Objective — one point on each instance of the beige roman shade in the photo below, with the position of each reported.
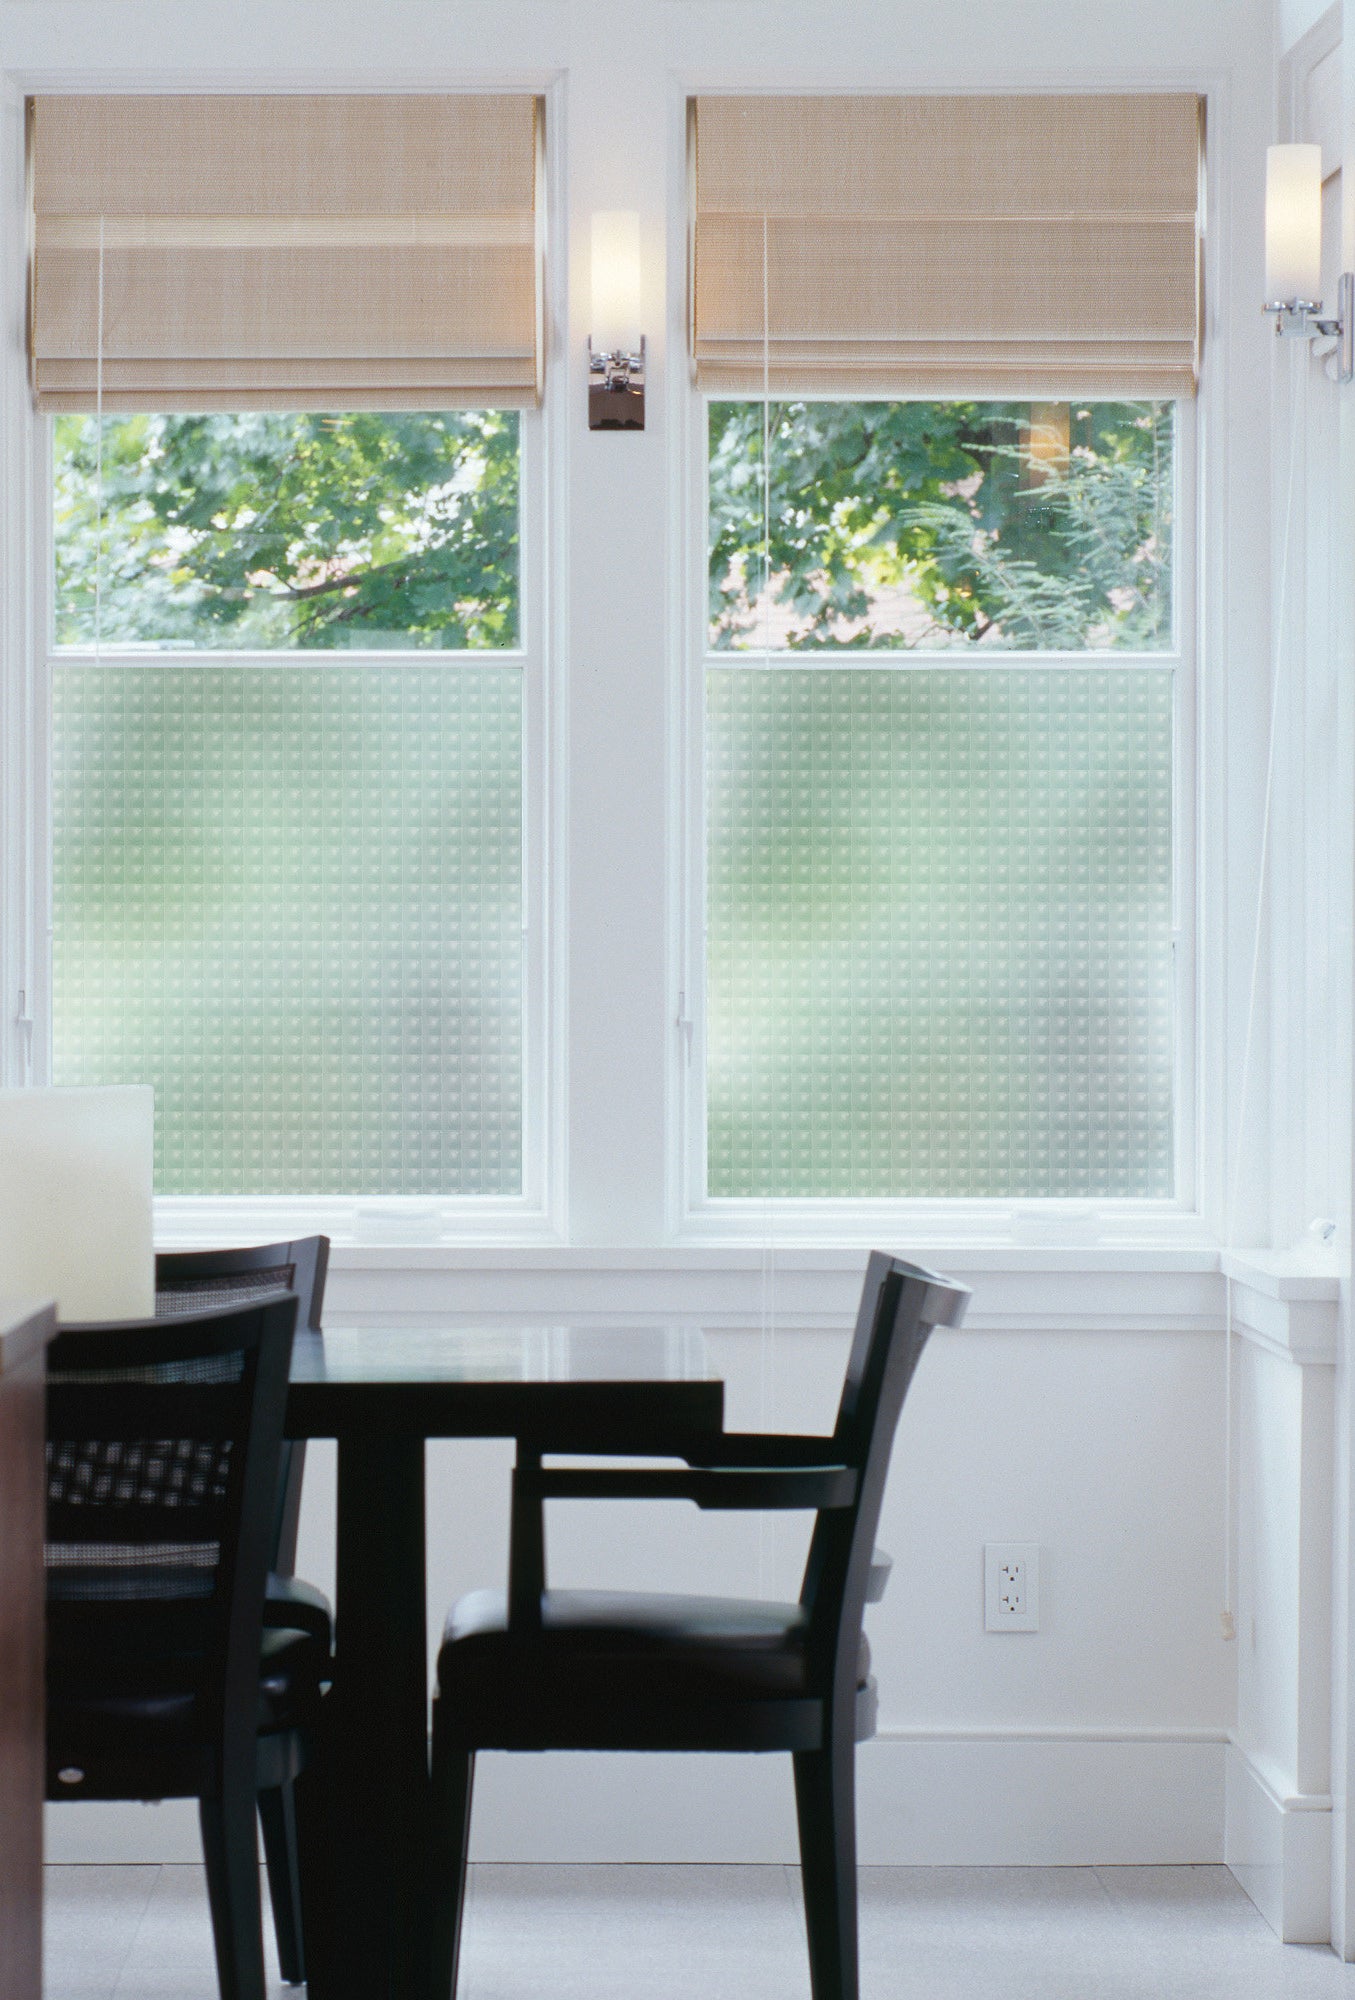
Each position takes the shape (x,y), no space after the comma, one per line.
(988,246)
(285,252)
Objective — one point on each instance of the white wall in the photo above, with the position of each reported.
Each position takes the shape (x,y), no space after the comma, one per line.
(1297,17)
(1083,1409)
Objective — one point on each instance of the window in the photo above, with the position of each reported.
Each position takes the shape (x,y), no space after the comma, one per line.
(293,682)
(948,347)
(291,350)
(941,669)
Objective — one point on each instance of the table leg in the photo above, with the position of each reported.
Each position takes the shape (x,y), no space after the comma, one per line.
(367,1800)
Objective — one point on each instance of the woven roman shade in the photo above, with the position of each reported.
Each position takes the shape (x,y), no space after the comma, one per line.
(285,252)
(943,246)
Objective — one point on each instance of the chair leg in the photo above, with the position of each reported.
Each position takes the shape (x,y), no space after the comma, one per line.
(324,1882)
(825,1803)
(277,1816)
(230,1849)
(449,1841)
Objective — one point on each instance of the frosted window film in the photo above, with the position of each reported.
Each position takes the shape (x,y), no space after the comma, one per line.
(291,900)
(939,932)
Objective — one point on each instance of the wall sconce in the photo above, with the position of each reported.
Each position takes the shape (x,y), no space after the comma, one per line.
(616,347)
(1294,255)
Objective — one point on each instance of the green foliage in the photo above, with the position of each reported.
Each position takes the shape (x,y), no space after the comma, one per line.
(280,530)
(936,524)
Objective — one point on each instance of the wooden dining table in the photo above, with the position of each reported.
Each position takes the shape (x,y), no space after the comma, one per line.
(382,1392)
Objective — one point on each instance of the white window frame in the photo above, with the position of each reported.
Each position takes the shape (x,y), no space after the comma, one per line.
(700,1217)
(357,1218)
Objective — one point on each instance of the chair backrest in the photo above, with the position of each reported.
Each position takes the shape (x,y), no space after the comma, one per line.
(162,1453)
(196,1280)
(900,1305)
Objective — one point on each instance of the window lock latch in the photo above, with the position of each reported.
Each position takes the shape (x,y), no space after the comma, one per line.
(685,1026)
(23,1021)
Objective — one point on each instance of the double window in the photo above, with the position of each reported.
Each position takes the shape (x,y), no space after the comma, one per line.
(941,677)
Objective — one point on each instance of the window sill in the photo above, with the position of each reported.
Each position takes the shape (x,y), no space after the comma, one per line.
(732,1288)
(1286,1302)
(190,1222)
(1148,1273)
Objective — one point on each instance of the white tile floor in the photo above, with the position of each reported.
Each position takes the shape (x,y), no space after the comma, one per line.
(595,1933)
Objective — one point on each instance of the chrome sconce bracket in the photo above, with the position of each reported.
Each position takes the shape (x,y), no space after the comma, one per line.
(1302,319)
(616,390)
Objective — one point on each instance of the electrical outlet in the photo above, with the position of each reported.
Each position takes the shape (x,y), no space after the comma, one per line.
(1011,1587)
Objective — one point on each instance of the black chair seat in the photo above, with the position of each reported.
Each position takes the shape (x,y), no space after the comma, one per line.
(702,1648)
(96,1696)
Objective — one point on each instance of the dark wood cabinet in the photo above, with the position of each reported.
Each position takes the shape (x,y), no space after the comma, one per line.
(24,1333)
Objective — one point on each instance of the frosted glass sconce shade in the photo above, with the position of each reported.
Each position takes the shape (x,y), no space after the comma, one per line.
(1294,257)
(75,1200)
(616,281)
(1293,225)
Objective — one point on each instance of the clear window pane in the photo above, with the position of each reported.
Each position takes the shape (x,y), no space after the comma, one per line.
(1011,526)
(273,530)
(291,899)
(939,932)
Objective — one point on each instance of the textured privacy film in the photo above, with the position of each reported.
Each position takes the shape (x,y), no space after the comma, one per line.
(939,932)
(291,900)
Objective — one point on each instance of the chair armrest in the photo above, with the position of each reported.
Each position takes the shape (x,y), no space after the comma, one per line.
(744,1450)
(725,1486)
(766,1448)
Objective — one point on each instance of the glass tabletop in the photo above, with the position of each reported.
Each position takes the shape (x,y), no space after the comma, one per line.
(525,1352)
(517,1378)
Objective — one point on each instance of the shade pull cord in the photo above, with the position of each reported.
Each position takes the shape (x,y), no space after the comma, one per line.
(99,453)
(766,1550)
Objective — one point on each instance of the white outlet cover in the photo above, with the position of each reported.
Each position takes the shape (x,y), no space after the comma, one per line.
(1011,1586)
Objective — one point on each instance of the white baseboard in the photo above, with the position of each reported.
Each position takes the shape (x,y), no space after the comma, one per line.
(1278,1846)
(998,1799)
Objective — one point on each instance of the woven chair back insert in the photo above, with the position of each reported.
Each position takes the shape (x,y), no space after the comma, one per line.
(140,1519)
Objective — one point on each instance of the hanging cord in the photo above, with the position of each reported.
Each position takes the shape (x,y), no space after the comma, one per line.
(1298,414)
(766,1549)
(99,454)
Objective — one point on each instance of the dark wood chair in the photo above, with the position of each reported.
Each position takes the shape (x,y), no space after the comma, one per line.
(163,1439)
(196,1281)
(537,1669)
